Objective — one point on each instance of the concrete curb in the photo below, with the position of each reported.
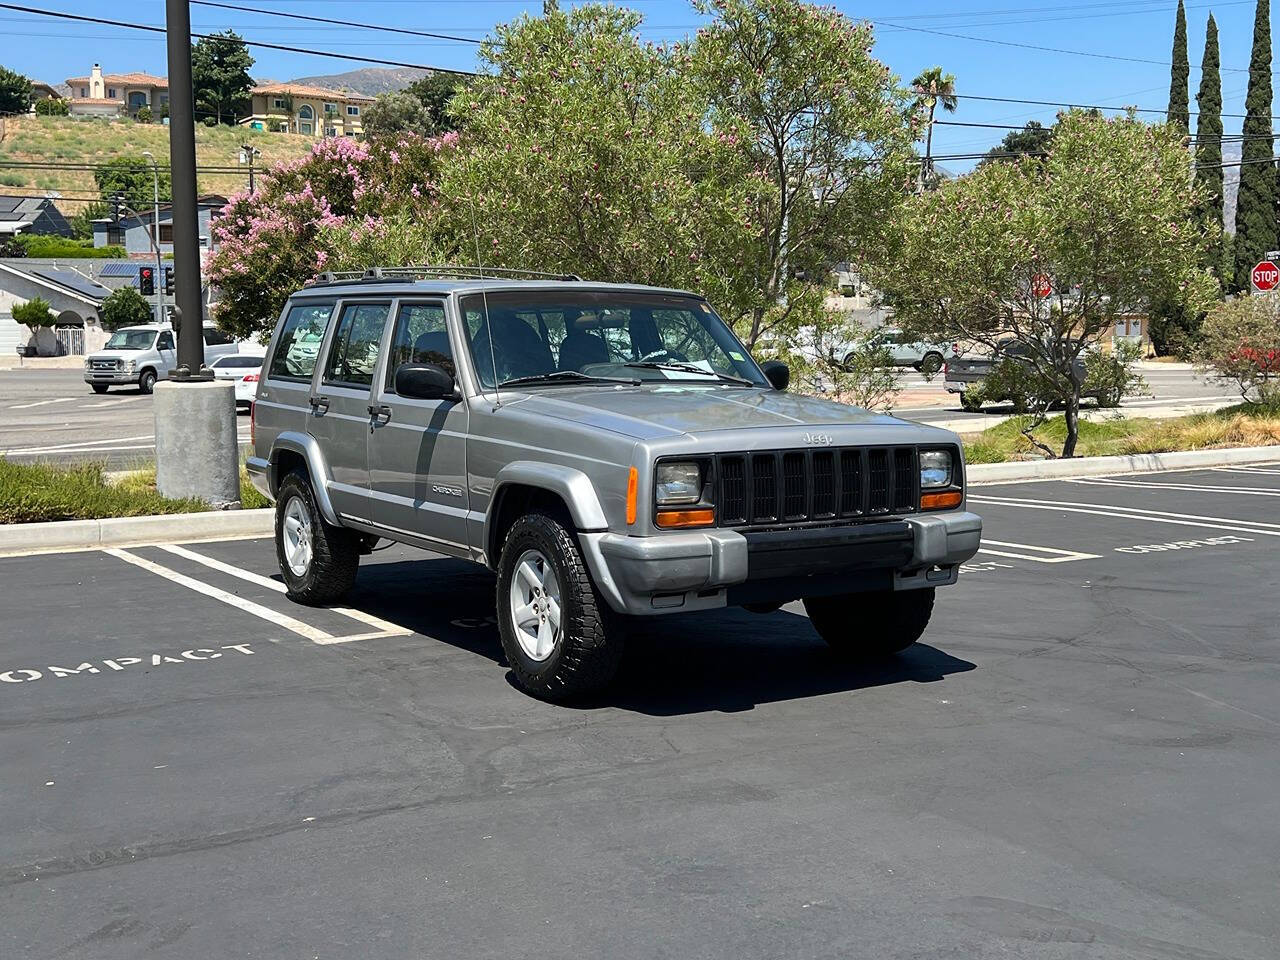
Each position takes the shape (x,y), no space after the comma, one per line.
(21,538)
(981,473)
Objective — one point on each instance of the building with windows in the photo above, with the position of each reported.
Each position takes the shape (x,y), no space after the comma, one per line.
(113,94)
(133,230)
(310,111)
(32,215)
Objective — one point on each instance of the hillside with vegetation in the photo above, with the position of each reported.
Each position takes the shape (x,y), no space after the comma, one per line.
(52,142)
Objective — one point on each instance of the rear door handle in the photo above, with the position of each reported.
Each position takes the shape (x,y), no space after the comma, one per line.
(379,413)
(319,404)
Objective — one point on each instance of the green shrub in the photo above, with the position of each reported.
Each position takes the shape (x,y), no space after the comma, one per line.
(53,107)
(48,246)
(125,307)
(143,115)
(12,180)
(34,313)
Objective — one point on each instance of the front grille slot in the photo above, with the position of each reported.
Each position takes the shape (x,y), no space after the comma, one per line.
(787,487)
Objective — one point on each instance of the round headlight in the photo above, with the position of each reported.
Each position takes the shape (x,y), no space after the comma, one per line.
(679,482)
(935,469)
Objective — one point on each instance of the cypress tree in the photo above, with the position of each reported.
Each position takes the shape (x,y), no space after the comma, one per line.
(1209,127)
(1256,204)
(1179,91)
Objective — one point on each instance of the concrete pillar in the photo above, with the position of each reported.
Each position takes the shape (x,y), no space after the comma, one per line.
(197,454)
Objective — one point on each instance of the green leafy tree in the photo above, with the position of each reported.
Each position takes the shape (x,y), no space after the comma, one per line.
(1034,139)
(1209,127)
(391,114)
(970,250)
(1256,201)
(220,66)
(933,88)
(1241,342)
(52,107)
(1179,92)
(435,91)
(125,307)
(132,177)
(15,92)
(35,313)
(825,133)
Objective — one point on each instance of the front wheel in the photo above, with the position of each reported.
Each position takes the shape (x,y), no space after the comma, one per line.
(559,636)
(871,625)
(147,382)
(931,364)
(318,562)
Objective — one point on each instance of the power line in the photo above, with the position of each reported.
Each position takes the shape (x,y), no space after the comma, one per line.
(333,22)
(353,57)
(1087,106)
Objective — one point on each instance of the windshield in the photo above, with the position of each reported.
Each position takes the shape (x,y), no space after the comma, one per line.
(624,336)
(131,340)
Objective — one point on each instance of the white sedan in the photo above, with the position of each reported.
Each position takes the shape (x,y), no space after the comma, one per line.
(244,369)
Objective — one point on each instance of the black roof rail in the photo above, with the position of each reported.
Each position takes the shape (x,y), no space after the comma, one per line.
(436,272)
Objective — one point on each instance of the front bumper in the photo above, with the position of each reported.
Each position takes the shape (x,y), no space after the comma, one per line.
(110,376)
(715,568)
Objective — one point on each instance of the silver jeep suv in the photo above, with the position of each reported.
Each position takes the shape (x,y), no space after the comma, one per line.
(609,451)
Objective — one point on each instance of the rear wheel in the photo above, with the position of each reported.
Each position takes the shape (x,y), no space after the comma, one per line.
(871,625)
(931,363)
(98,387)
(559,636)
(147,382)
(318,562)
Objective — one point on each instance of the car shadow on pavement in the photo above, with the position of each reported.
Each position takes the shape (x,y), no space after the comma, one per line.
(727,660)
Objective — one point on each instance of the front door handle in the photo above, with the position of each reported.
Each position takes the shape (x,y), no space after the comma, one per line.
(379,414)
(319,404)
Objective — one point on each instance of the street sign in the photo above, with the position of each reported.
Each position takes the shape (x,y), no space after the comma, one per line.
(1265,276)
(1273,255)
(1041,286)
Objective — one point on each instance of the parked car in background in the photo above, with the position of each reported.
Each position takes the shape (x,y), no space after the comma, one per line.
(145,353)
(963,375)
(244,369)
(926,357)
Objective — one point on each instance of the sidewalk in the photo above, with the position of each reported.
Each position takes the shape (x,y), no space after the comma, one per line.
(69,362)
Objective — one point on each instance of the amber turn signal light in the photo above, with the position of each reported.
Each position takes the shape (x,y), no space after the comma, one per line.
(940,501)
(686,518)
(633,483)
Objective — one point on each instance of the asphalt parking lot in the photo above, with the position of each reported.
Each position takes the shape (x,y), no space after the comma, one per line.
(1080,760)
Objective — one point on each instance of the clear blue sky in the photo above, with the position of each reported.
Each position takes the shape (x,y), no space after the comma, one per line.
(1141,30)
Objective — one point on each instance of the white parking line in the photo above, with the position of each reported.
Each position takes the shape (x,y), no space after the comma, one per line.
(108,403)
(1055,555)
(1265,471)
(384,627)
(1195,487)
(44,403)
(314,634)
(1133,513)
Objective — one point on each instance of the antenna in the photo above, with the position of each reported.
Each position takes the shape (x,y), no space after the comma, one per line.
(484,299)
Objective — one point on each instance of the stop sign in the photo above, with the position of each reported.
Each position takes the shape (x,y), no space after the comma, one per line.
(1041,286)
(1265,276)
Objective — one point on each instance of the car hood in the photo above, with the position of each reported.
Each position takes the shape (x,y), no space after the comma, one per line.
(654,412)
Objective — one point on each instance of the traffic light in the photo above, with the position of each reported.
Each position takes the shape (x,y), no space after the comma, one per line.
(168,280)
(147,281)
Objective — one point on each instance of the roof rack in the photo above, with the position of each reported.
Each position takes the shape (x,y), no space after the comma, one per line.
(435,272)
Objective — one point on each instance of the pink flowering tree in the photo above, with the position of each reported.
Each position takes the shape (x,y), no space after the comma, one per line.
(1049,253)
(347,205)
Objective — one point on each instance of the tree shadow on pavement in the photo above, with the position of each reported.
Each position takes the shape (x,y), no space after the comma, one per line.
(726,660)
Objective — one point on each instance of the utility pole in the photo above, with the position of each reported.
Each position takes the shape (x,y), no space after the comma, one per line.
(155,234)
(195,415)
(247,154)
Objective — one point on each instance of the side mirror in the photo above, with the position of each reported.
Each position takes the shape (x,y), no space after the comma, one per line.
(424,381)
(777,373)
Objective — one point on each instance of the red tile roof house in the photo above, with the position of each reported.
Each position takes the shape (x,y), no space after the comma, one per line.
(114,94)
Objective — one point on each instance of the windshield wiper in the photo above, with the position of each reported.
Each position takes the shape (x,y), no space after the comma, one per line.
(567,376)
(689,368)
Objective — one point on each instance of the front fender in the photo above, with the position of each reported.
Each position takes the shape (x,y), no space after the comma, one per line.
(572,486)
(306,446)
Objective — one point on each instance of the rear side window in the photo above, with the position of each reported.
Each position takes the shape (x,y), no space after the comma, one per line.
(421,337)
(353,355)
(299,345)
(216,338)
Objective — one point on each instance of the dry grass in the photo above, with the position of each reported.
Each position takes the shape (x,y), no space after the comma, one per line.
(52,140)
(1246,425)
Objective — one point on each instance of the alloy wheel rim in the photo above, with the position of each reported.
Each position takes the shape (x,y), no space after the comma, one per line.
(296,533)
(535,605)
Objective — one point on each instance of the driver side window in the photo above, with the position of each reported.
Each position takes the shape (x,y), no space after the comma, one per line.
(164,341)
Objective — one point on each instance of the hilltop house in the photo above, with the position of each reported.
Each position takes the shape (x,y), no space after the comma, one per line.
(112,94)
(32,215)
(310,111)
(133,232)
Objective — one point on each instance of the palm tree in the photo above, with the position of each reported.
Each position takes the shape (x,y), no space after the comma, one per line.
(932,87)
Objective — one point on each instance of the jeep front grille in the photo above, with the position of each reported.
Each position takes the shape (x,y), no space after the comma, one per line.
(785,487)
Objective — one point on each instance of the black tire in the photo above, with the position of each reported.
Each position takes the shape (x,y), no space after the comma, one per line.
(867,626)
(931,363)
(98,387)
(586,654)
(147,382)
(970,402)
(335,552)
